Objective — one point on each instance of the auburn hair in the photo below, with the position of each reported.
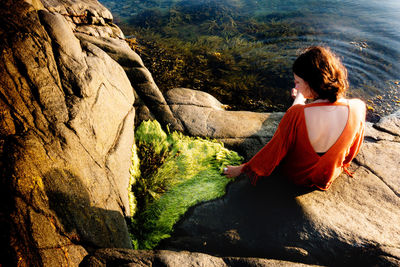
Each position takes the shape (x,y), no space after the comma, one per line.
(323,71)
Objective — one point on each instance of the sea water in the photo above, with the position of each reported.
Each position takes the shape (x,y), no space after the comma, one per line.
(364,33)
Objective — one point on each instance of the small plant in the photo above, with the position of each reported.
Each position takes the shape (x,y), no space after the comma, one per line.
(176,172)
(133,44)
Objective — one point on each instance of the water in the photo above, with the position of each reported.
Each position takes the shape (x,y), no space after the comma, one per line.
(364,33)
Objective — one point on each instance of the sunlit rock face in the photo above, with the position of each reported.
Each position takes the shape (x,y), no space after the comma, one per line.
(203,115)
(66,130)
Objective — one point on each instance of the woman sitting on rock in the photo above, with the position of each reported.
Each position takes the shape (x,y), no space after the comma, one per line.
(314,142)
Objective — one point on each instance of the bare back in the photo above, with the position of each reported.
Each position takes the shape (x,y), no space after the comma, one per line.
(325,124)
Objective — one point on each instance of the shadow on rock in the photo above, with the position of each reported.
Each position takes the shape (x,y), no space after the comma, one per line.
(84,224)
(354,223)
(262,221)
(269,221)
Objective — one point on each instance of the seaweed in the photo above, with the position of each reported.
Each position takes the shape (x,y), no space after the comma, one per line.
(216,47)
(176,173)
(241,51)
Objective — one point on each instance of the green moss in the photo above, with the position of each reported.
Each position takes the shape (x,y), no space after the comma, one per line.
(177,172)
(134,175)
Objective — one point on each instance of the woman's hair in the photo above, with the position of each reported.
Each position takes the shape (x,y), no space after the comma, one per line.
(323,71)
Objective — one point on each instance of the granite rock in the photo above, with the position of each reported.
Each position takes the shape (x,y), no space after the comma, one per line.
(355,222)
(203,115)
(66,134)
(124,257)
(70,86)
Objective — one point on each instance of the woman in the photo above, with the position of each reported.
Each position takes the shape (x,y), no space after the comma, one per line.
(314,142)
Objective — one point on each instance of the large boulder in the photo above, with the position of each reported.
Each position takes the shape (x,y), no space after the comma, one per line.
(66,134)
(143,258)
(150,102)
(203,115)
(355,222)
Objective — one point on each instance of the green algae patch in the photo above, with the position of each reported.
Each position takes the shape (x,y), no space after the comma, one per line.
(176,172)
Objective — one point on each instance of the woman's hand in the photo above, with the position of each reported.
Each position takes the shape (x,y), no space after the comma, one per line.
(294,93)
(298,97)
(233,171)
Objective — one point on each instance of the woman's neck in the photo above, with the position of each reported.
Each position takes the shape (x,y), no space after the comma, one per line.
(326,100)
(320,101)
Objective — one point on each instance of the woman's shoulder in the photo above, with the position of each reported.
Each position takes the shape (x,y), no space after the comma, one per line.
(358,108)
(296,108)
(294,113)
(357,104)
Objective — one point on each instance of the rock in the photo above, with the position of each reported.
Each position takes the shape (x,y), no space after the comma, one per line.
(380,155)
(118,257)
(353,223)
(390,124)
(80,12)
(88,17)
(202,115)
(374,135)
(184,96)
(66,134)
(150,99)
(112,31)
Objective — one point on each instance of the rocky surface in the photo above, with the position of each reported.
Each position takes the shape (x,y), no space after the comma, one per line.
(150,102)
(124,257)
(69,88)
(70,85)
(66,134)
(354,222)
(203,115)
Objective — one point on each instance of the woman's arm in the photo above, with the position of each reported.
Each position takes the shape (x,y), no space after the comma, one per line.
(264,162)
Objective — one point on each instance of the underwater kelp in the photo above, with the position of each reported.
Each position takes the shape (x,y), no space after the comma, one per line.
(176,172)
(235,71)
(217,46)
(211,46)
(241,51)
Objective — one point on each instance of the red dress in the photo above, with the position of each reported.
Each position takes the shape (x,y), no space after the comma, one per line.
(291,149)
